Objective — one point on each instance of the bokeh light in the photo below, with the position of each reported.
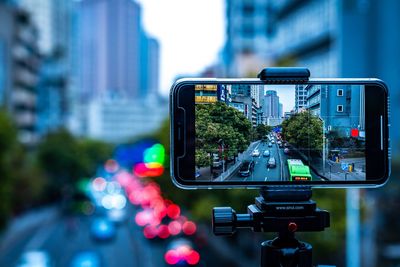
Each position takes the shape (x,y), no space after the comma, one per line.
(189,228)
(111,166)
(99,184)
(173,211)
(174,228)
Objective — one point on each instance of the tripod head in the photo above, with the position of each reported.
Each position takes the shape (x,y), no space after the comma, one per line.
(277,210)
(280,210)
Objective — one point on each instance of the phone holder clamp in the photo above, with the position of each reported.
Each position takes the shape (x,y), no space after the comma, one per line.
(287,75)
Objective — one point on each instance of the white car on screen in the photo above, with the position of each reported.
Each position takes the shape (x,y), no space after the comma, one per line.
(256,153)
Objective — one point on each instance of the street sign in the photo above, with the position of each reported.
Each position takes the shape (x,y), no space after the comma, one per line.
(345,166)
(277,129)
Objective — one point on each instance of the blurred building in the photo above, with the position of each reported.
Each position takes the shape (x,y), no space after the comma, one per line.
(113,59)
(245,52)
(52,18)
(52,95)
(150,69)
(108,48)
(19,65)
(121,120)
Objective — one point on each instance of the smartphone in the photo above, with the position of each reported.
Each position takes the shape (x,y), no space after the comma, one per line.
(229,133)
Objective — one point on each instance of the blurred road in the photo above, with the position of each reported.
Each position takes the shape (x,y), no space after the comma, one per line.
(62,237)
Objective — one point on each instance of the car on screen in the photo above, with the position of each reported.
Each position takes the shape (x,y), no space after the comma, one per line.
(255,153)
(271,162)
(266,153)
(246,168)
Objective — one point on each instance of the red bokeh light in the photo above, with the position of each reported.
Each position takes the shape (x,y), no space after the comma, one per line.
(124,178)
(147,170)
(189,228)
(150,232)
(172,257)
(163,231)
(193,257)
(144,217)
(174,228)
(173,211)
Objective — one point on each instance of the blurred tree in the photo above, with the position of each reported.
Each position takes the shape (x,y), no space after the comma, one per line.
(8,142)
(94,153)
(65,159)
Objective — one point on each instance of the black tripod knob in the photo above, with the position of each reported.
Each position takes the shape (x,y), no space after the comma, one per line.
(224,220)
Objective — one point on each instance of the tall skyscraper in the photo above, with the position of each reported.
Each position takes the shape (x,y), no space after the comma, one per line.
(115,67)
(108,49)
(271,104)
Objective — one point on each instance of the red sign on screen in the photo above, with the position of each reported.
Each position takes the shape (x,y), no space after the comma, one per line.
(354,132)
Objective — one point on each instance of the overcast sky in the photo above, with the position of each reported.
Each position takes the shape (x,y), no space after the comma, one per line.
(191,34)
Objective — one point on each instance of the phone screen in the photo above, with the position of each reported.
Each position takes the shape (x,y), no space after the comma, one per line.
(246,133)
(280,132)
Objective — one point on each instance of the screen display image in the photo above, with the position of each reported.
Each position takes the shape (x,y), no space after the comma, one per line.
(253,132)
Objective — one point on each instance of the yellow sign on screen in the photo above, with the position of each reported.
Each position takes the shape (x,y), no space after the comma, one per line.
(206,87)
(205,99)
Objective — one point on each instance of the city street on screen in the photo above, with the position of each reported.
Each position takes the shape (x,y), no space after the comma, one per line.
(307,132)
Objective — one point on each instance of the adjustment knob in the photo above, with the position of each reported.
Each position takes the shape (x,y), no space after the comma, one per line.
(224,221)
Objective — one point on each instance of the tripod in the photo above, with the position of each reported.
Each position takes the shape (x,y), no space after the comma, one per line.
(284,211)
